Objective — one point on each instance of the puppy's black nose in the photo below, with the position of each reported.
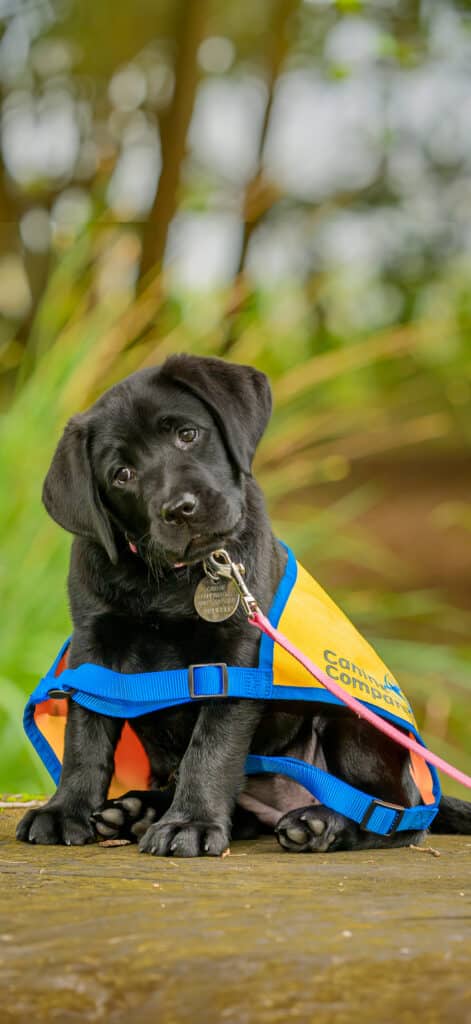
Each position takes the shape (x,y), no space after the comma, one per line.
(178,510)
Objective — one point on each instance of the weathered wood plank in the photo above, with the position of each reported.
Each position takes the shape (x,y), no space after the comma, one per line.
(100,934)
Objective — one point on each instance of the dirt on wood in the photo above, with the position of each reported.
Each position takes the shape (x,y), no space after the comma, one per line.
(257,937)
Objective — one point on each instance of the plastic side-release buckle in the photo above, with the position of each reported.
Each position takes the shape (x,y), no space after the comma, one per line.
(400,811)
(211,696)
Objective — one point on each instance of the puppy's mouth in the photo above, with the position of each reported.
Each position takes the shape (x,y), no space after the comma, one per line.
(200,546)
(197,550)
(189,558)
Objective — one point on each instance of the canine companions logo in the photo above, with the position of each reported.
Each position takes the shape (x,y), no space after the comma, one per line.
(344,671)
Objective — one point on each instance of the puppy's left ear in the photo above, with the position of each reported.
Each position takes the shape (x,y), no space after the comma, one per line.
(239,398)
(70,491)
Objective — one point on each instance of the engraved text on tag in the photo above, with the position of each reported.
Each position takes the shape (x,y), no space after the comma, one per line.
(216,600)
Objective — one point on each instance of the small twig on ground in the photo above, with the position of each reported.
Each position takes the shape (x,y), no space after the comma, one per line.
(425,849)
(115,842)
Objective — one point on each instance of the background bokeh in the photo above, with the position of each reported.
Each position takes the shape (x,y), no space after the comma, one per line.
(282,183)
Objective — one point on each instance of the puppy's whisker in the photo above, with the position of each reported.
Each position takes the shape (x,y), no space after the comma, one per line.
(154,561)
(150,556)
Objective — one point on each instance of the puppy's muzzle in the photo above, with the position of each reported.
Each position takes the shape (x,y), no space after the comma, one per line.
(187,516)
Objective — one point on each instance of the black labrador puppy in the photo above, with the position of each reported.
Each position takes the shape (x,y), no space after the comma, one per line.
(151,479)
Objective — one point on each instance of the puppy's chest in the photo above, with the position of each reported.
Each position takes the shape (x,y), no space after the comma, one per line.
(158,643)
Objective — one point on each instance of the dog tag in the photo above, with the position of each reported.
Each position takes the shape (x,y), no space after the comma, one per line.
(216,600)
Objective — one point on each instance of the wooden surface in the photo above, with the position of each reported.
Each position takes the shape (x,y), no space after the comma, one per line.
(262,937)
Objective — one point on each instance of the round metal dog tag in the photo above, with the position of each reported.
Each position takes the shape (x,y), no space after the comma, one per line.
(216,600)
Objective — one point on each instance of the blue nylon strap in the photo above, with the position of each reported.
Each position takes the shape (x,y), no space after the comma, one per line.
(127,695)
(339,796)
(45,751)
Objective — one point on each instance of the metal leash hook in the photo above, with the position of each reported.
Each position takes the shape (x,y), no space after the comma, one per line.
(219,563)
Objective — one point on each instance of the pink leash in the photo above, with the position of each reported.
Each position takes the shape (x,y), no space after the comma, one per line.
(257,618)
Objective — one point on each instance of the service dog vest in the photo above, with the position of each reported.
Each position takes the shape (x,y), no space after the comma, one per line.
(314,623)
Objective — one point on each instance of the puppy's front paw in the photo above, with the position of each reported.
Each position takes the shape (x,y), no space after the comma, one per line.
(53,824)
(313,829)
(185,839)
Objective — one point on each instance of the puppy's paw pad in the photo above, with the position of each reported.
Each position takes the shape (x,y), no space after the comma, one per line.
(314,823)
(313,829)
(127,817)
(108,823)
(296,834)
(131,804)
(113,816)
(142,824)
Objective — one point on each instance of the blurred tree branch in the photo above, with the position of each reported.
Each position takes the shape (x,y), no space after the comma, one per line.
(261,194)
(192,16)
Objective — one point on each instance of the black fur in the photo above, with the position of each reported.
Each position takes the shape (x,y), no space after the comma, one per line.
(134,612)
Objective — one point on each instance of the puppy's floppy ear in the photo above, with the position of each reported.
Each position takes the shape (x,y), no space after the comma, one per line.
(70,492)
(239,398)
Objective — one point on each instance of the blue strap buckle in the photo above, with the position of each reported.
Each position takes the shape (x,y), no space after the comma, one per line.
(203,695)
(400,811)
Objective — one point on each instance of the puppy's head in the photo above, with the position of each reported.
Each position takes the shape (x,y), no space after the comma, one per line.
(160,459)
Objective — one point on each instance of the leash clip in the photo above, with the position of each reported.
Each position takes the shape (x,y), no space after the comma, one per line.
(219,563)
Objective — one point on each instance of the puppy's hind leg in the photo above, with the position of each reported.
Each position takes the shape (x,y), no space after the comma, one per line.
(365,759)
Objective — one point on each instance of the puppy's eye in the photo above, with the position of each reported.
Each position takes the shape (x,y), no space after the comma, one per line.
(124,475)
(187,435)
